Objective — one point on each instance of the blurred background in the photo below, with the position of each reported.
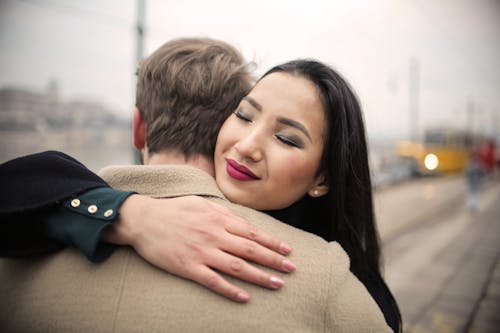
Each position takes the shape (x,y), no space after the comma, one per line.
(427,74)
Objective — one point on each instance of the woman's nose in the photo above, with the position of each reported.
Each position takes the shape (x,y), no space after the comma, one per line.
(250,145)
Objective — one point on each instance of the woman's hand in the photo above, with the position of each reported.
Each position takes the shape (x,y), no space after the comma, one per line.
(192,237)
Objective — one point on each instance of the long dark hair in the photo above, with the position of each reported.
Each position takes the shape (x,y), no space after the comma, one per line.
(345,214)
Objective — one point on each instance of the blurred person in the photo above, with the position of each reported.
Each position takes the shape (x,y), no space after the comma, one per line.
(474,174)
(335,300)
(486,154)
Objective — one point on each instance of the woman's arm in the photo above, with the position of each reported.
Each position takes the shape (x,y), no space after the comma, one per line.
(32,188)
(192,237)
(35,183)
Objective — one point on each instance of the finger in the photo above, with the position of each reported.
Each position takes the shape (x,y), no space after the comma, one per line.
(242,228)
(255,252)
(213,281)
(242,270)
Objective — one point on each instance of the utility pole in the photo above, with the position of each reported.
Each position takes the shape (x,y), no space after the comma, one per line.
(141,6)
(494,121)
(469,116)
(139,52)
(414,96)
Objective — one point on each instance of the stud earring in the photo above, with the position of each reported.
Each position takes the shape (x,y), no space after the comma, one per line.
(316,193)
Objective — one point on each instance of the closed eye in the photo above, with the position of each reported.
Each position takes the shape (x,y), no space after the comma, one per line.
(288,141)
(242,116)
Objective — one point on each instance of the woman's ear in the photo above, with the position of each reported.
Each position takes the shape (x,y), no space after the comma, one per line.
(319,188)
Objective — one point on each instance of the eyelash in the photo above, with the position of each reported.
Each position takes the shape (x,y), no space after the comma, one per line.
(242,117)
(288,142)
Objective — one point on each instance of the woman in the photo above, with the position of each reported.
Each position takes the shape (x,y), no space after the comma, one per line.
(295,147)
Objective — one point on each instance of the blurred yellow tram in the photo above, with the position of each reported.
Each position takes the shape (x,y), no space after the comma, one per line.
(443,151)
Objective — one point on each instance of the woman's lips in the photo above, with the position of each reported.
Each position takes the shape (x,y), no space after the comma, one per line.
(238,171)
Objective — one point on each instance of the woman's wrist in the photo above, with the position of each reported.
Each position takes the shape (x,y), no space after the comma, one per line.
(124,232)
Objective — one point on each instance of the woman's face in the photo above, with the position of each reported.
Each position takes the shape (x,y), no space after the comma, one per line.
(268,151)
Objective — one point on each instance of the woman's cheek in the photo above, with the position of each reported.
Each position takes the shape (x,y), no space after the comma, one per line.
(227,132)
(294,167)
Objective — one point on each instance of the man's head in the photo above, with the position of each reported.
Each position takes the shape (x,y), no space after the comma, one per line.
(185,91)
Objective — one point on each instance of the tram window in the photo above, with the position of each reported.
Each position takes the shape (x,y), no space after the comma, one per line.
(435,138)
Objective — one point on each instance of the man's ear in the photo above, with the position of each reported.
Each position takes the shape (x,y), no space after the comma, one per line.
(139,127)
(319,188)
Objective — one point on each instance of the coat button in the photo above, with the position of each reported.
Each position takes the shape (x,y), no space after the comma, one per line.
(75,203)
(108,213)
(92,209)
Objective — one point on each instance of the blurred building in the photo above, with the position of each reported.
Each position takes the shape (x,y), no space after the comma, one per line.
(32,121)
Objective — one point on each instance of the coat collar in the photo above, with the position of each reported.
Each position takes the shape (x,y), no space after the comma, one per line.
(161,181)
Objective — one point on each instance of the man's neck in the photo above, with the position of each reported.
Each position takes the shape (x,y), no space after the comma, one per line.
(172,157)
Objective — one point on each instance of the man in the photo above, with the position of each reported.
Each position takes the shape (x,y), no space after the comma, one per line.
(126,294)
(39,211)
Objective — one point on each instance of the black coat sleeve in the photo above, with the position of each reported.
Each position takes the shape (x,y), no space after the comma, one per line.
(31,187)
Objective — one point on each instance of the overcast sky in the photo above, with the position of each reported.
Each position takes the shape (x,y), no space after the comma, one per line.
(89,48)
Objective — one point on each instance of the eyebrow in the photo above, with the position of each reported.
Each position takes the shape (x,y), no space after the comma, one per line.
(254,103)
(296,124)
(281,120)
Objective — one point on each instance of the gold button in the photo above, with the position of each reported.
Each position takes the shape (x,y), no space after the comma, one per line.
(75,203)
(92,209)
(108,213)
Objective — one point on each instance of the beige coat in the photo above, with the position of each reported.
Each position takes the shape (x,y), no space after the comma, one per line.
(66,293)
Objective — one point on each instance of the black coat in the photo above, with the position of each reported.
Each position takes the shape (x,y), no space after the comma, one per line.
(31,187)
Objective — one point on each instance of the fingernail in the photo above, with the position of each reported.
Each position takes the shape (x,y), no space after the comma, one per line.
(242,296)
(276,282)
(288,265)
(285,248)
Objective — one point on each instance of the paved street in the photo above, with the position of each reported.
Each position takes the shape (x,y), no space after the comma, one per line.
(441,262)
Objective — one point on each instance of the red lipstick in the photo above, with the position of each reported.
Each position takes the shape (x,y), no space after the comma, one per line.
(238,171)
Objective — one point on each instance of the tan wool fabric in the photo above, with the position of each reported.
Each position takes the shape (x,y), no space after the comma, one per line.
(64,292)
